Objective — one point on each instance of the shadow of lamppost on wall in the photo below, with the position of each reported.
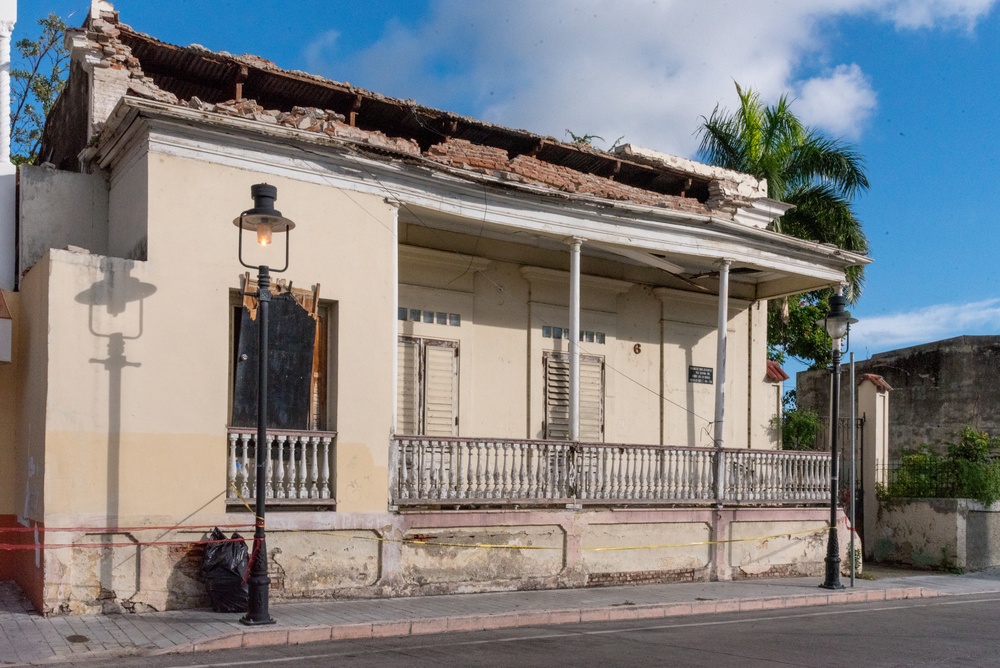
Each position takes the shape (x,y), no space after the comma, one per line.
(114,294)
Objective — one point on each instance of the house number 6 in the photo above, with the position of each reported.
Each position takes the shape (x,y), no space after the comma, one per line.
(637,348)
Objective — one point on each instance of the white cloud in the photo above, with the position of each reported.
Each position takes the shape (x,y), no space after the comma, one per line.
(913,14)
(321,50)
(840,103)
(925,325)
(645,70)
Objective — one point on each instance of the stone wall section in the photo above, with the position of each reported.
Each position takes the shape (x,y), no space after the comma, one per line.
(373,555)
(937,389)
(945,534)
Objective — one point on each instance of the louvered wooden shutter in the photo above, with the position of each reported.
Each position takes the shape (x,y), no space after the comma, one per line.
(591,399)
(557,397)
(440,388)
(427,387)
(408,387)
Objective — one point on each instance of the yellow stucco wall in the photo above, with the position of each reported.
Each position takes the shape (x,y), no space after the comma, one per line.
(32,335)
(652,337)
(765,398)
(8,413)
(610,548)
(690,339)
(139,350)
(138,398)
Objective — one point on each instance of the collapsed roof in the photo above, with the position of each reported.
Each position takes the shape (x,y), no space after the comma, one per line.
(685,216)
(130,63)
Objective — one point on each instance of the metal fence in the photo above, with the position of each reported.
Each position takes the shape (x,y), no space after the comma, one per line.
(941,478)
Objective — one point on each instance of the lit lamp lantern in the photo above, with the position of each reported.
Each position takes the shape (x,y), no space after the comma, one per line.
(263,218)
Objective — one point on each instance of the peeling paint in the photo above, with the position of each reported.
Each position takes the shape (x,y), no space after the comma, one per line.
(939,533)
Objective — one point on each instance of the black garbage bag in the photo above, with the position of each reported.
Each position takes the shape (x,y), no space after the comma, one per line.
(224,567)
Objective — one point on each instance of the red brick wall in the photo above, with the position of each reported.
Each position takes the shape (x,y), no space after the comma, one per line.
(463,154)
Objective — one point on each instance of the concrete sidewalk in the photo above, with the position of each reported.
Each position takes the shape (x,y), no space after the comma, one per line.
(27,638)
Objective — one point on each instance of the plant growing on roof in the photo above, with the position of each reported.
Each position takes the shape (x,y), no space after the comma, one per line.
(588,140)
(584,139)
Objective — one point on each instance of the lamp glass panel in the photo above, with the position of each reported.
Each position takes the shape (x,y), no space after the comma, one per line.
(837,327)
(264,233)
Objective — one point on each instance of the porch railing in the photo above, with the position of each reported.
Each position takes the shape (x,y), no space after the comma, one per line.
(299,467)
(485,472)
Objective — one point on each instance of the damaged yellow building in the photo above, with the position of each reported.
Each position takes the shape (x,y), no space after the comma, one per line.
(510,341)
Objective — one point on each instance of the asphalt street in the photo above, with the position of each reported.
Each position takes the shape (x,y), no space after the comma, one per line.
(951,631)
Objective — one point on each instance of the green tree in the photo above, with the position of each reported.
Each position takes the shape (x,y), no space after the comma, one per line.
(37,78)
(792,330)
(799,427)
(967,471)
(820,176)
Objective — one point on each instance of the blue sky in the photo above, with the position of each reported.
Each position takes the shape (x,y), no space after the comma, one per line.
(912,83)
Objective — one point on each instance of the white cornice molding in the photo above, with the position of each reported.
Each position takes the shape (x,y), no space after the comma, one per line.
(421,184)
(673,295)
(761,212)
(543,277)
(455,270)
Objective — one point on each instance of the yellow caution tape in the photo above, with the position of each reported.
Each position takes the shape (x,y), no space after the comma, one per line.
(496,546)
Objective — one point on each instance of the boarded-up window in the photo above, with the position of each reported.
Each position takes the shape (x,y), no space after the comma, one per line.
(427,387)
(298,333)
(557,397)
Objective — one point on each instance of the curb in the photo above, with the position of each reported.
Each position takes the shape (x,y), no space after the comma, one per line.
(482,622)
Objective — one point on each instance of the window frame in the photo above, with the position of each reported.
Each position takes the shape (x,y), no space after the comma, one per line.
(323,385)
(549,433)
(420,390)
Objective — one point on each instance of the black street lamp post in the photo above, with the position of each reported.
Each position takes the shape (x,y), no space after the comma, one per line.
(264,220)
(838,322)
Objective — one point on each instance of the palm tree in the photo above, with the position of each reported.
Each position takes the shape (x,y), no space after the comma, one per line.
(819,176)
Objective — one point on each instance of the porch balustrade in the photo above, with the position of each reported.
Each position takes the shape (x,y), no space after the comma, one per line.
(298,467)
(498,472)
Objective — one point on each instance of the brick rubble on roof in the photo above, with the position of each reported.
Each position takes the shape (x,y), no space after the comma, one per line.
(454,153)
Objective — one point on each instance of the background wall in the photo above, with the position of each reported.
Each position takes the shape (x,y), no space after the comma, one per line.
(937,389)
(939,533)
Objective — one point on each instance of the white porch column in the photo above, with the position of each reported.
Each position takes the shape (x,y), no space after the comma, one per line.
(720,357)
(574,338)
(391,555)
(8,223)
(394,344)
(720,395)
